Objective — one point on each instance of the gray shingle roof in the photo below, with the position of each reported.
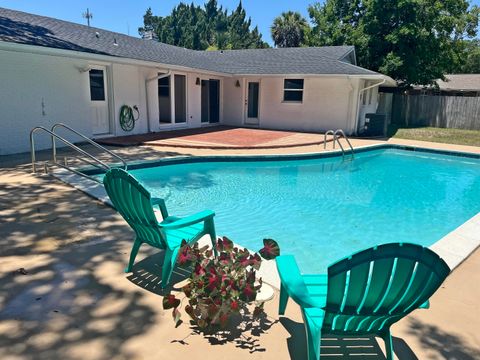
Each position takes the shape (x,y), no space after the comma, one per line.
(467,82)
(307,60)
(29,29)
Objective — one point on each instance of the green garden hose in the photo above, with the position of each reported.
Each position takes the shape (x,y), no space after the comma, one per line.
(127,120)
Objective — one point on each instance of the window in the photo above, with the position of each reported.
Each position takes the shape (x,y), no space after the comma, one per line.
(293,90)
(97,85)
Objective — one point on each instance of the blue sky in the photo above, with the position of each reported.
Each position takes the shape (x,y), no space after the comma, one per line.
(126,16)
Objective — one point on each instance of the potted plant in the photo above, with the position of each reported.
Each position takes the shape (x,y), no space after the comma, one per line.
(220,287)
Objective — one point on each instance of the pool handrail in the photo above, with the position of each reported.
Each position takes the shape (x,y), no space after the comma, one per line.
(95,161)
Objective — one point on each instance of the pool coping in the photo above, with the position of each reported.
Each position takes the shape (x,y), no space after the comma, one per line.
(183,159)
(454,247)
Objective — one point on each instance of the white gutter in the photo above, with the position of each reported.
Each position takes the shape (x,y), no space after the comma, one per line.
(358,101)
(308,75)
(146,93)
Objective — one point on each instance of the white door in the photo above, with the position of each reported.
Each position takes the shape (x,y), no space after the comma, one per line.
(252,102)
(99,109)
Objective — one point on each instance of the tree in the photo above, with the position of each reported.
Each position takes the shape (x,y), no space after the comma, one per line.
(289,29)
(413,41)
(199,28)
(470,59)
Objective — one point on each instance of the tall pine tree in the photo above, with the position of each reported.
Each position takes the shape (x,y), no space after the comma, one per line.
(199,28)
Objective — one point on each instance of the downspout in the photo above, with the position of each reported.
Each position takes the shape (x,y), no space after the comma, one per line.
(350,99)
(147,81)
(358,101)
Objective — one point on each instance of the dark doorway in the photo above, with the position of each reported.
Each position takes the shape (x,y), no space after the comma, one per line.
(210,101)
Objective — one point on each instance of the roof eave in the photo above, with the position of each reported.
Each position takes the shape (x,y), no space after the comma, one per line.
(43,50)
(457,89)
(363,76)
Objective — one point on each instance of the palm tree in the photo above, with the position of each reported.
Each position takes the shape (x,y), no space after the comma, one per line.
(288,29)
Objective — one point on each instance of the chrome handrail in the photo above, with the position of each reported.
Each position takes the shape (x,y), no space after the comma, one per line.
(339,144)
(337,134)
(325,138)
(96,162)
(336,137)
(90,141)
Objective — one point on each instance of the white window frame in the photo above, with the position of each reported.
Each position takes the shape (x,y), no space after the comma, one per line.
(172,123)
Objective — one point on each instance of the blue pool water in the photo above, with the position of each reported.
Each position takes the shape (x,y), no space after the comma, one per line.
(323,209)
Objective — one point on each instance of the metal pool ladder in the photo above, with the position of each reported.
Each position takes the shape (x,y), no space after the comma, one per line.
(90,159)
(337,134)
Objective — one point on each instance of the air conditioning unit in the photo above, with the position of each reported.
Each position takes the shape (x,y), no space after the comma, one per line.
(374,125)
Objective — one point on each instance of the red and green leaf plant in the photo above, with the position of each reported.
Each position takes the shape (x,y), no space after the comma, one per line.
(221,286)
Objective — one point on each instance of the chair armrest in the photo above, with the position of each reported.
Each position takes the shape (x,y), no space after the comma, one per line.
(161,205)
(425,305)
(189,220)
(294,284)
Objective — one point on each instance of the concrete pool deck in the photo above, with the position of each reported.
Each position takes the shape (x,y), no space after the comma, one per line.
(74,301)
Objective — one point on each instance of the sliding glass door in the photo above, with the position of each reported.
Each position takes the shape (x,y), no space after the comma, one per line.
(210,99)
(178,113)
(180,99)
(164,101)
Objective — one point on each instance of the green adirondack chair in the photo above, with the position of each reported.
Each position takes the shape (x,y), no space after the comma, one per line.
(136,205)
(363,294)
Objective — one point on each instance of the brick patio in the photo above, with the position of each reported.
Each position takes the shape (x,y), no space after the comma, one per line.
(220,137)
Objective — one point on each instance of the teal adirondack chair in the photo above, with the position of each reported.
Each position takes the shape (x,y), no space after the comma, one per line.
(136,205)
(363,294)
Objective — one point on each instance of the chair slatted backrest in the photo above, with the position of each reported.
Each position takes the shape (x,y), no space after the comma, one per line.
(371,289)
(133,202)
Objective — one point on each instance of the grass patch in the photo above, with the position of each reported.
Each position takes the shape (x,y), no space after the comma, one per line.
(440,135)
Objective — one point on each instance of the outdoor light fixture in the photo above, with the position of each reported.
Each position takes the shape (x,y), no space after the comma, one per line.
(84,69)
(237,83)
(197,82)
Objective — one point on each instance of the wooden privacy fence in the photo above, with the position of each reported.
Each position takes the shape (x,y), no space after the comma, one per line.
(438,111)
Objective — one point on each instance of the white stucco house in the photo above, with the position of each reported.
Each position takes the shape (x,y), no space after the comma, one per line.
(55,71)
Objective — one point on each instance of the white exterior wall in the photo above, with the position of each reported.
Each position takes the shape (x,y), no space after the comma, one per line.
(328,103)
(233,101)
(41,90)
(128,87)
(29,80)
(26,81)
(61,84)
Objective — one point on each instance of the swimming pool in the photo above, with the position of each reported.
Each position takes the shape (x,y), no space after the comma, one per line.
(321,209)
